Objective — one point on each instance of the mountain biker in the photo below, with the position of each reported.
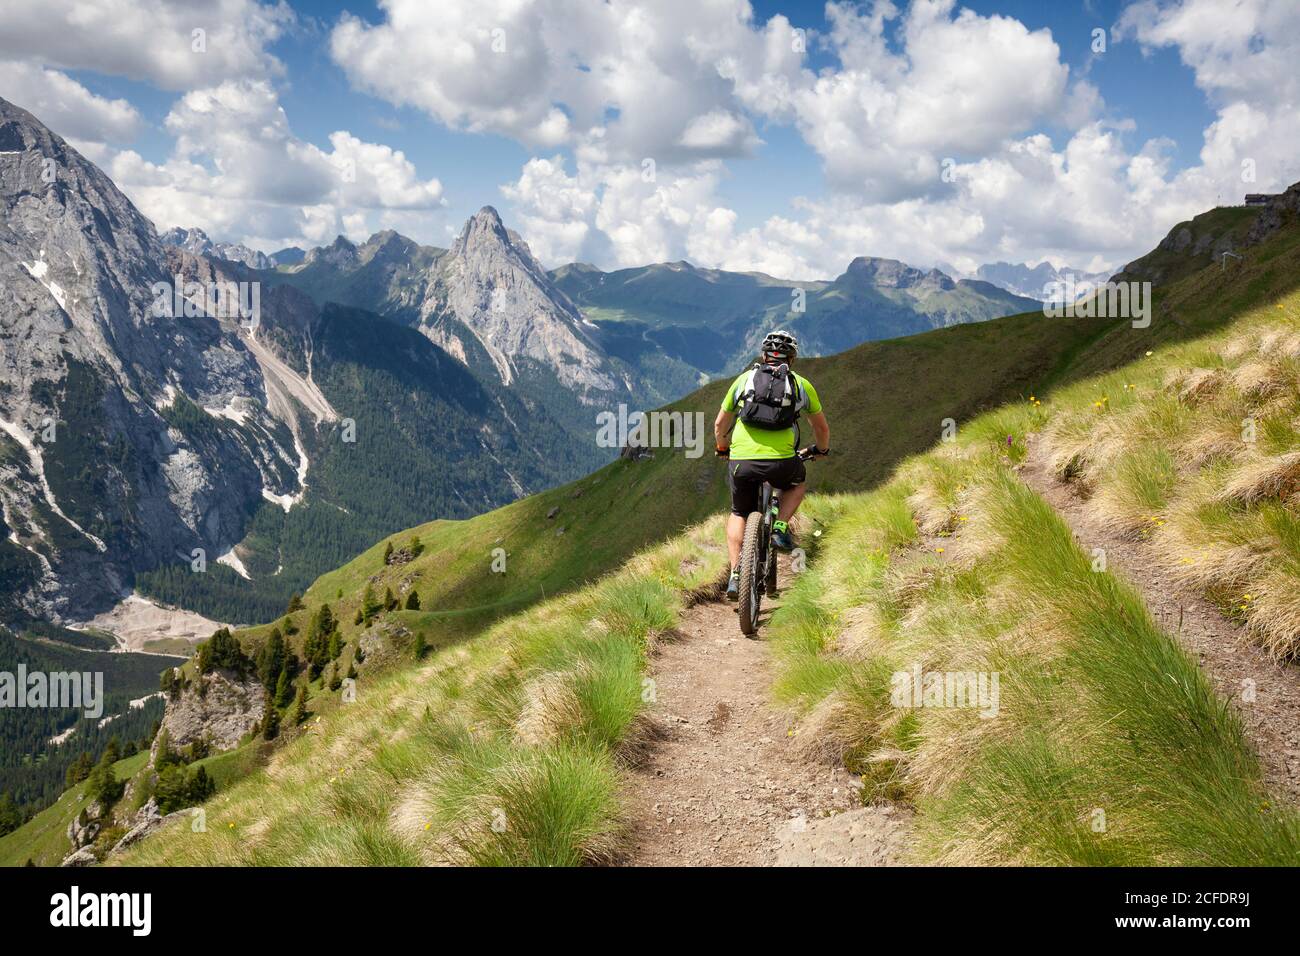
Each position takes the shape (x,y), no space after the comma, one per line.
(762,445)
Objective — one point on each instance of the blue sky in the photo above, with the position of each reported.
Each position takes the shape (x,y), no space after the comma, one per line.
(780,161)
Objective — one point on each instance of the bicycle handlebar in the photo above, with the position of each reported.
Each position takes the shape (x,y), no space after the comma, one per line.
(802,454)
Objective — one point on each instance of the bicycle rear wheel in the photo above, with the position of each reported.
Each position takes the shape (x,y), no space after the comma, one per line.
(751,575)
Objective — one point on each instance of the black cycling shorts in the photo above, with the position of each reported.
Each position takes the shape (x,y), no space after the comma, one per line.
(745,479)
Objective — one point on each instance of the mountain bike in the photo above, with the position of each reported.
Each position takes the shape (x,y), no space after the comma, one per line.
(758,557)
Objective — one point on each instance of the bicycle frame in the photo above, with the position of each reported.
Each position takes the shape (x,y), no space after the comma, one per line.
(758,568)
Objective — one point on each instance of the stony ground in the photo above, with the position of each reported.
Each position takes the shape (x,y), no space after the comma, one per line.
(724,785)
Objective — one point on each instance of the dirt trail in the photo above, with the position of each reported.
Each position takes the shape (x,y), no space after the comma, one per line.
(725,786)
(1223,649)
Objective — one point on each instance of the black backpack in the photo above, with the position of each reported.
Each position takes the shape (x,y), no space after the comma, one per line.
(771,398)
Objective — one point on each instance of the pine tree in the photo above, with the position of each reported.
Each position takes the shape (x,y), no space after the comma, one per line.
(222,651)
(390,600)
(416,547)
(10,817)
(165,754)
(79,770)
(103,783)
(270,722)
(284,689)
(388,553)
(270,659)
(369,605)
(300,705)
(420,645)
(413,601)
(202,786)
(358,619)
(335,647)
(295,603)
(113,752)
(352,671)
(335,681)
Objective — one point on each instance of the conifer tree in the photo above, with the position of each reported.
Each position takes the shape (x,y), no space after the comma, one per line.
(284,689)
(390,600)
(369,605)
(271,721)
(270,659)
(300,705)
(202,786)
(413,601)
(388,553)
(420,645)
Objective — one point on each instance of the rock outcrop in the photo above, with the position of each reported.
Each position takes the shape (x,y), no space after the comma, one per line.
(85,826)
(147,819)
(220,707)
(1279,210)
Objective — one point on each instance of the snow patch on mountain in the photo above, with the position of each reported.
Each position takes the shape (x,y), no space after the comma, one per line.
(38,467)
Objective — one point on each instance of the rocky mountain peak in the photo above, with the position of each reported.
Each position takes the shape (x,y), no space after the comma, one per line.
(340,253)
(196,241)
(885,273)
(491,285)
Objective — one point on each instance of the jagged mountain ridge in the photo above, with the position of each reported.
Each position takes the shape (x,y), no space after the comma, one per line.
(648,332)
(1043,281)
(129,437)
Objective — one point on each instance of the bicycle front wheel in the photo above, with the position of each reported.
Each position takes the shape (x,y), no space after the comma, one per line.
(751,575)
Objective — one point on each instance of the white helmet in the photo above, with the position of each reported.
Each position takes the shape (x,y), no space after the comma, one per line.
(781,344)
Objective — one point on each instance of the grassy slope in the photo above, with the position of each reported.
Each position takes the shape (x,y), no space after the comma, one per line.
(1110,746)
(485,705)
(505,750)
(885,400)
(43,839)
(1224,227)
(532,718)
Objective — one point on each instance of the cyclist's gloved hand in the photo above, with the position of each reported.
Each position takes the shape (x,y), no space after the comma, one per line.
(812,451)
(722,452)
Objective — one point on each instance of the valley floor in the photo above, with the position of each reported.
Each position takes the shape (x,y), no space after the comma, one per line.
(140,625)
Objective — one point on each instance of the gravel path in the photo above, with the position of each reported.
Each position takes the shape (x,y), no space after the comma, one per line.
(724,785)
(1225,652)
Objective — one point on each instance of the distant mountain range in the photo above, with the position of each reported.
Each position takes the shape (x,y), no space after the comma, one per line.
(378,385)
(196,242)
(1044,281)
